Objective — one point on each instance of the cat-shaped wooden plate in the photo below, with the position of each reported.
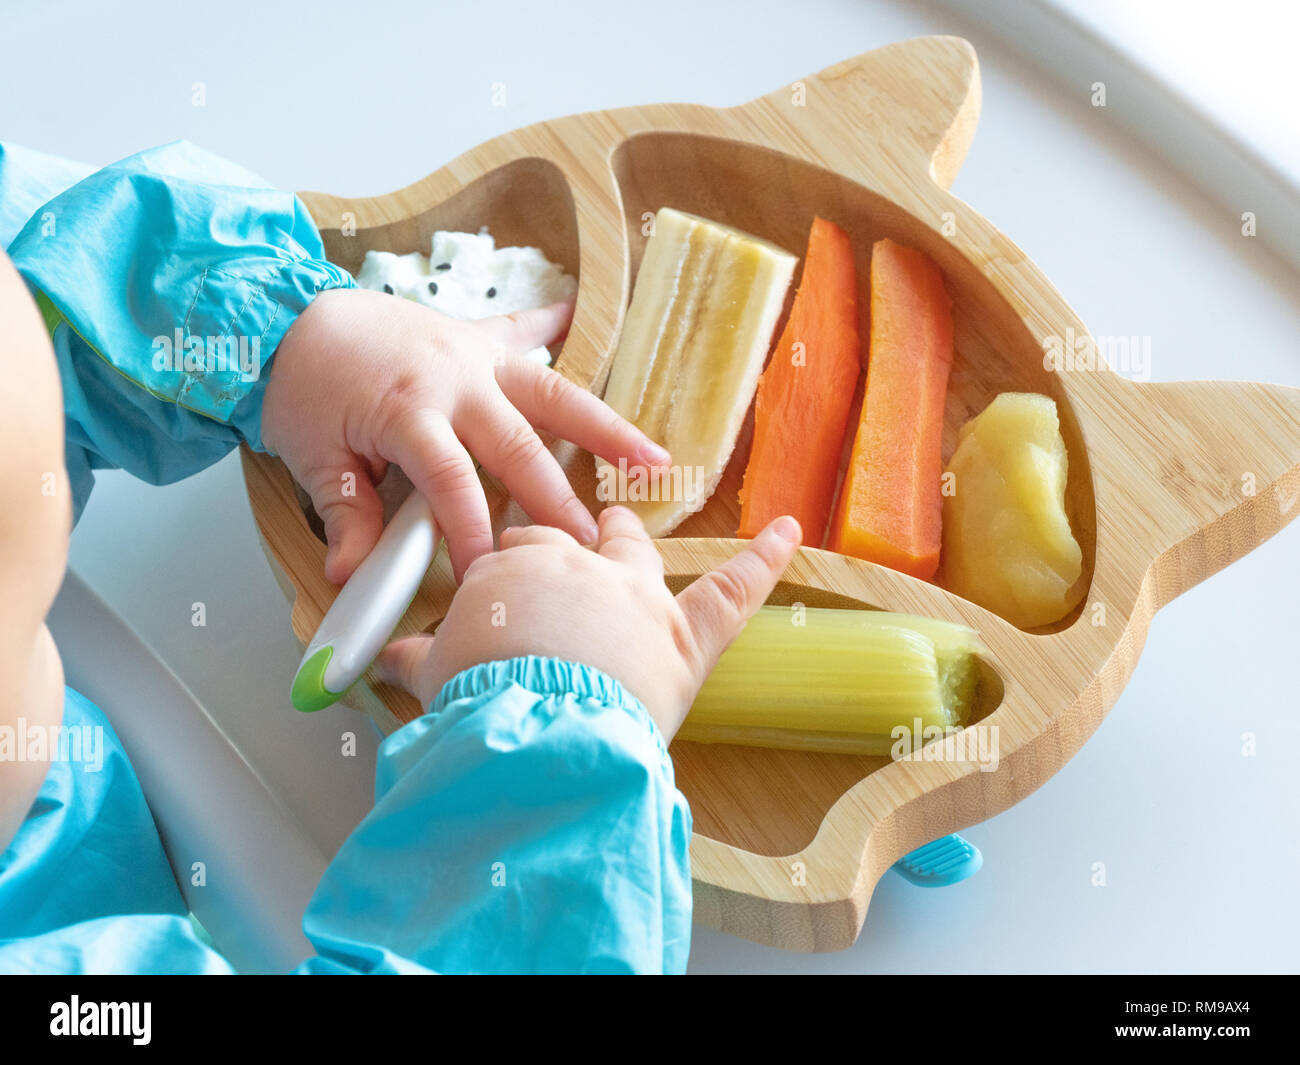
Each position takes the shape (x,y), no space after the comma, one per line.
(788,846)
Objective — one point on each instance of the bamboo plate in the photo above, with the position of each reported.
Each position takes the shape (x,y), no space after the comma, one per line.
(1168,482)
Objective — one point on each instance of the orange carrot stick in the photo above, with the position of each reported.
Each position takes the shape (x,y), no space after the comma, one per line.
(890,505)
(804,396)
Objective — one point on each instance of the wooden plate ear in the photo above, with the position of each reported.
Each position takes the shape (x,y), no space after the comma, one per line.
(1191,474)
(917,99)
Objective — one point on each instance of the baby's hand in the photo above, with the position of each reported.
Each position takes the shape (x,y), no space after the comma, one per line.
(363,379)
(543,594)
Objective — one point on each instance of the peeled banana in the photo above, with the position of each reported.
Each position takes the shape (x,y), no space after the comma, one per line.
(706,303)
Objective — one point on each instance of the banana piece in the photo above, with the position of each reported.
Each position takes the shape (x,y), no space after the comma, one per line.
(706,304)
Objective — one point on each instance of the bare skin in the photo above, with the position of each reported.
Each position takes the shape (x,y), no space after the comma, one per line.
(363,379)
(544,594)
(35,522)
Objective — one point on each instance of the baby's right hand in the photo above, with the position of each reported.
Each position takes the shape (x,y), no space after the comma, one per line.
(543,594)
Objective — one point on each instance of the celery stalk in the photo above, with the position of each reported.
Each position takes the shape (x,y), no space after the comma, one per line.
(835,680)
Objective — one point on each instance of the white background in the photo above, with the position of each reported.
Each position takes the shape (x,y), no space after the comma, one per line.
(1199,842)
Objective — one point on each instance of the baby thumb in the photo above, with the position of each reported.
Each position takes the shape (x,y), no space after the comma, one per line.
(404,664)
(718,604)
(353,515)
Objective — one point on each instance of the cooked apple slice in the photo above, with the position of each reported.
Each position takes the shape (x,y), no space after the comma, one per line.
(1007,542)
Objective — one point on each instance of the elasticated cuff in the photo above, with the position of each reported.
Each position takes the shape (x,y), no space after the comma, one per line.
(284,299)
(545,676)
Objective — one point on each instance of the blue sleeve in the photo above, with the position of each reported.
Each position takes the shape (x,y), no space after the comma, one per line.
(28,181)
(85,886)
(167,281)
(529,823)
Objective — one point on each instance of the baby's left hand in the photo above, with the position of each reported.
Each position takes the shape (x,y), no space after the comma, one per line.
(363,379)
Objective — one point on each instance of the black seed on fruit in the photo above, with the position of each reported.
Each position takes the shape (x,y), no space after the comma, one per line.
(433,288)
(491,292)
(388,289)
(443,266)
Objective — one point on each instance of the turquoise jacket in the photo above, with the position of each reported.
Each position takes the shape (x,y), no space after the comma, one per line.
(168,281)
(529,822)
